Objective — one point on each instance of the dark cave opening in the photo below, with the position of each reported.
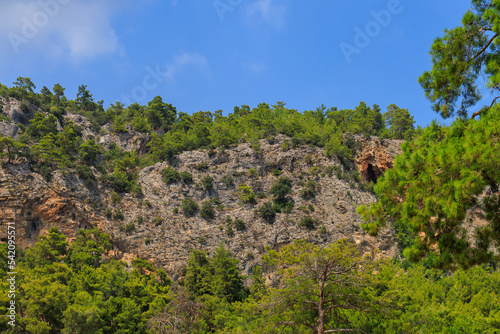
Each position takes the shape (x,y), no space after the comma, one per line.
(371,176)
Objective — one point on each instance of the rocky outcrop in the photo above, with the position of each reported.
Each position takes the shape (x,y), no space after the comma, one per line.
(154,227)
(127,141)
(376,156)
(17,111)
(36,205)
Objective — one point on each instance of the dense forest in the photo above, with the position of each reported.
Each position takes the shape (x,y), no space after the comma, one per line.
(446,279)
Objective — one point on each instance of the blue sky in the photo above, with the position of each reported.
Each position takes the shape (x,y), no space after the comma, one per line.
(210,55)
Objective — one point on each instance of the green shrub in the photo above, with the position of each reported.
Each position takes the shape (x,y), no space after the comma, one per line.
(176,211)
(85,172)
(207,210)
(108,213)
(309,191)
(246,194)
(308,223)
(203,166)
(322,230)
(189,207)
(267,212)
(239,224)
(129,227)
(252,173)
(118,215)
(282,188)
(314,170)
(140,220)
(287,206)
(207,182)
(308,159)
(227,180)
(170,175)
(115,197)
(285,145)
(276,172)
(229,230)
(158,221)
(303,209)
(186,177)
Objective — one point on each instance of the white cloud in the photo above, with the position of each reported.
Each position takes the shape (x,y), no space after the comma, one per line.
(75,30)
(184,60)
(266,10)
(254,67)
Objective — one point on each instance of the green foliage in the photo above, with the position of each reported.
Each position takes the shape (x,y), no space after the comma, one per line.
(431,301)
(267,212)
(308,159)
(400,123)
(118,215)
(227,180)
(108,213)
(170,175)
(308,223)
(246,194)
(463,57)
(88,152)
(42,125)
(77,289)
(189,207)
(309,190)
(276,172)
(316,280)
(11,149)
(202,166)
(157,221)
(207,182)
(186,177)
(160,115)
(434,182)
(217,276)
(84,99)
(253,173)
(207,210)
(239,224)
(88,248)
(129,227)
(85,172)
(115,197)
(281,189)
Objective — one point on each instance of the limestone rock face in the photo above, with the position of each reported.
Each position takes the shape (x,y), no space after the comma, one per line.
(376,156)
(154,227)
(36,205)
(15,111)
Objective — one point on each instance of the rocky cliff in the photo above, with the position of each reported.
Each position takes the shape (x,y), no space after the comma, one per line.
(153,226)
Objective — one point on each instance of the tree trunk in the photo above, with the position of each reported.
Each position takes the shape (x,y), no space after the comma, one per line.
(321,320)
(321,312)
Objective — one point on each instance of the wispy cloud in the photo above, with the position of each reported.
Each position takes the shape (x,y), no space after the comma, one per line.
(268,11)
(254,67)
(184,60)
(61,29)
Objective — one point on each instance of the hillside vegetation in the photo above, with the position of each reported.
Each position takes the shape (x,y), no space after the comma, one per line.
(275,183)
